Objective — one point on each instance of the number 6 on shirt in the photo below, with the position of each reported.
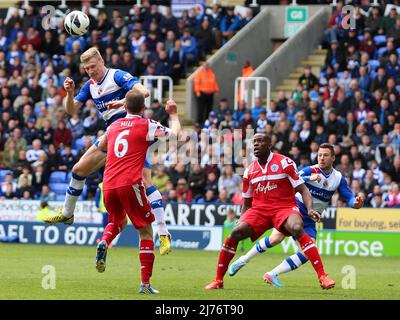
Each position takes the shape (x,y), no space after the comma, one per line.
(121,141)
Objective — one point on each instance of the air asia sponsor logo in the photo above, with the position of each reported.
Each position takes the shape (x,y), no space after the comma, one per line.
(268,187)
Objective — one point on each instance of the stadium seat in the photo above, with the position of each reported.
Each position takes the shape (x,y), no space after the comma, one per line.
(398,88)
(340,75)
(58,188)
(398,51)
(58,177)
(3,174)
(69,176)
(360,37)
(380,39)
(374,64)
(380,52)
(60,197)
(78,144)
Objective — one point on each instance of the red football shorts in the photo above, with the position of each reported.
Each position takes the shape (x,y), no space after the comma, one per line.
(262,220)
(131,201)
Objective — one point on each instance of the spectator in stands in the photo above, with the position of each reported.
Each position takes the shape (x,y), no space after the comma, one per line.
(44,78)
(373,21)
(177,59)
(387,165)
(379,82)
(46,134)
(388,21)
(345,166)
(393,197)
(10,155)
(231,220)
(8,179)
(392,67)
(189,46)
(229,25)
(308,80)
(394,33)
(24,180)
(385,55)
(197,181)
(261,122)
(8,193)
(258,107)
(33,154)
(209,197)
(62,135)
(223,197)
(335,57)
(67,159)
(91,123)
(368,182)
(160,179)
(205,39)
(205,86)
(178,172)
(228,122)
(17,137)
(367,44)
(273,114)
(229,181)
(183,192)
(334,24)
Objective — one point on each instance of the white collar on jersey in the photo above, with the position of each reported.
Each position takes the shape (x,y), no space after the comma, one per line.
(132,116)
(324,173)
(105,75)
(264,170)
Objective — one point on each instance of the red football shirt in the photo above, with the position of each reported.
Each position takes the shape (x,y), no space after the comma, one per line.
(271,186)
(127,142)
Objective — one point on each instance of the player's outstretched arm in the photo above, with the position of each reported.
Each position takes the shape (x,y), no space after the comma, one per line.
(71,105)
(307,199)
(355,202)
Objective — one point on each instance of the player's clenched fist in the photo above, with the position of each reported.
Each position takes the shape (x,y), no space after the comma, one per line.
(69,85)
(314,215)
(171,107)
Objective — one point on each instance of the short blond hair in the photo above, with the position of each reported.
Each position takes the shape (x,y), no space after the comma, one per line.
(89,54)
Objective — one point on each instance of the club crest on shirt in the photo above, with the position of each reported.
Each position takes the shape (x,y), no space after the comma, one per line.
(274,168)
(325,183)
(100,91)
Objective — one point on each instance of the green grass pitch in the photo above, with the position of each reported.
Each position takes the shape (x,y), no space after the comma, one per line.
(181,275)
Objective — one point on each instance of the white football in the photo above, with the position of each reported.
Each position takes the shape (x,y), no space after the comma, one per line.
(76,23)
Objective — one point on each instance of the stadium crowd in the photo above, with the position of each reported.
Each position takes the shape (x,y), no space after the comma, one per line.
(37,137)
(353,104)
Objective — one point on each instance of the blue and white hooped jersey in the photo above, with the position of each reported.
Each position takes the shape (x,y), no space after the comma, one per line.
(323,191)
(114,86)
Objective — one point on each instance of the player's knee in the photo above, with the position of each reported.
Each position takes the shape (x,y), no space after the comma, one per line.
(78,170)
(238,234)
(297,229)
